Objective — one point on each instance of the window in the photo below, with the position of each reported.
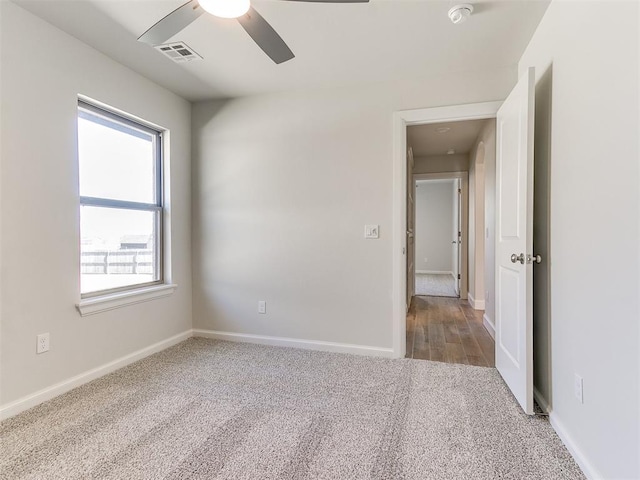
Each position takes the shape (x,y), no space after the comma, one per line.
(121,210)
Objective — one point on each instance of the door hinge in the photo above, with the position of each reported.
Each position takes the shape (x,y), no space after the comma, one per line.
(458,276)
(459,190)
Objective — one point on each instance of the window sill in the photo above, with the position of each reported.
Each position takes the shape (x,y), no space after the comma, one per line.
(90,306)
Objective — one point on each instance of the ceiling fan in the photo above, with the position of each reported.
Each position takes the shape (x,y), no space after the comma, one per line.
(253,23)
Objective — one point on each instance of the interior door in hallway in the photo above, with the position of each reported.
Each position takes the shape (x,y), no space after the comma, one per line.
(457,233)
(411,208)
(514,240)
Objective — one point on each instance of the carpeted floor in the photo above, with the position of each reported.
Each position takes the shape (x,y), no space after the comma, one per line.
(435,285)
(206,409)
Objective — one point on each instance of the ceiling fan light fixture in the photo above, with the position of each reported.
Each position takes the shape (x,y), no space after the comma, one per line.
(460,13)
(225,8)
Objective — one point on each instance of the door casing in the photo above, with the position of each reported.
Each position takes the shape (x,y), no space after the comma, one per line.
(402,119)
(463,221)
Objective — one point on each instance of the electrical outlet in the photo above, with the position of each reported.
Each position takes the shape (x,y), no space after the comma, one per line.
(262,306)
(42,343)
(578,388)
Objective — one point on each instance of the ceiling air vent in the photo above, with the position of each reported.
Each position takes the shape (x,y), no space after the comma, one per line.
(178,52)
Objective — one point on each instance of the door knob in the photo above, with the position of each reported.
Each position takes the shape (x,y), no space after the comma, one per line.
(534,259)
(517,258)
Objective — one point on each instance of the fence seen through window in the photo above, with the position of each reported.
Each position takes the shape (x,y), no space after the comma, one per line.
(120,173)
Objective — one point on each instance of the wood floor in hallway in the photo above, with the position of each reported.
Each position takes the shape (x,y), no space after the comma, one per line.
(448,330)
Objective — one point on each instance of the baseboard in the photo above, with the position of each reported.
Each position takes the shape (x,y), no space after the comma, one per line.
(296,343)
(29,401)
(587,468)
(435,272)
(491,328)
(585,465)
(542,402)
(475,304)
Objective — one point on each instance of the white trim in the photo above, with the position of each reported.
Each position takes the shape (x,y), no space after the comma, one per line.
(463,268)
(440,176)
(296,343)
(90,306)
(53,391)
(475,303)
(401,119)
(450,113)
(542,402)
(589,470)
(585,465)
(436,272)
(488,324)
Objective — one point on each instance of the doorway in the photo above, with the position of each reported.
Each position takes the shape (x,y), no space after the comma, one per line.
(513,294)
(445,209)
(402,121)
(438,242)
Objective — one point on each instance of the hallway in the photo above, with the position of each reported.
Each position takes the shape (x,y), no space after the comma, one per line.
(448,330)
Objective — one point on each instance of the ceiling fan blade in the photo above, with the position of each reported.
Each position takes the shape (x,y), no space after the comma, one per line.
(331,1)
(265,36)
(172,23)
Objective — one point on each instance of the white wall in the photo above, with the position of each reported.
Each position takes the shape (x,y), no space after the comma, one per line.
(434,224)
(486,236)
(43,71)
(442,163)
(590,144)
(482,181)
(478,293)
(283,186)
(471,246)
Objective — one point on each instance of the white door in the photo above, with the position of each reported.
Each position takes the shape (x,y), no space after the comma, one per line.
(411,216)
(514,241)
(456,234)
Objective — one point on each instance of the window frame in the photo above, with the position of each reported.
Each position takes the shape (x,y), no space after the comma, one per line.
(125,123)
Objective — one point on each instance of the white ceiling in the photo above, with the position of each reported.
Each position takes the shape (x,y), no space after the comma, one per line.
(425,140)
(334,44)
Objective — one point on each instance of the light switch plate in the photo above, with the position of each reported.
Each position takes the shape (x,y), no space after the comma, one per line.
(372,231)
(262,307)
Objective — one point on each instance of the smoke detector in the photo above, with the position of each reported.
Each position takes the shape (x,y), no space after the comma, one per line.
(451,151)
(460,13)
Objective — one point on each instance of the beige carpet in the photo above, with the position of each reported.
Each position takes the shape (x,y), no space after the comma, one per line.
(215,410)
(435,284)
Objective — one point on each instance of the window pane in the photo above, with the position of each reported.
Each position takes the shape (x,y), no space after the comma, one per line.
(118,248)
(116,161)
